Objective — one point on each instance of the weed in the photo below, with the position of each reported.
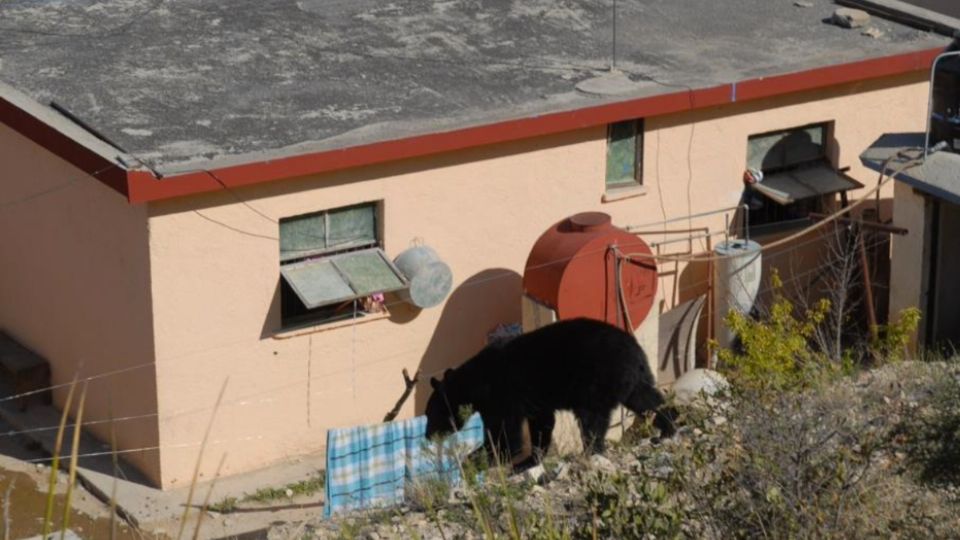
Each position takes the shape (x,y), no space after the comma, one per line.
(306,487)
(225,506)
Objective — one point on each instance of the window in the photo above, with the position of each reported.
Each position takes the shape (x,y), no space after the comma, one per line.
(624,154)
(798,177)
(332,265)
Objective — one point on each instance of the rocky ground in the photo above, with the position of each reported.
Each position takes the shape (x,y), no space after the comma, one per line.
(873,454)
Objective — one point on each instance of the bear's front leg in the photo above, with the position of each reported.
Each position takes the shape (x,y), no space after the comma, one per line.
(504,438)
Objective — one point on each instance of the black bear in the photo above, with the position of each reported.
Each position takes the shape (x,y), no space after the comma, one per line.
(582,365)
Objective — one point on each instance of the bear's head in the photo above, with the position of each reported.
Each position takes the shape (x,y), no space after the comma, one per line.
(443,406)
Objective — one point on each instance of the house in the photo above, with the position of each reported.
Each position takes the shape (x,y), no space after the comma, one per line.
(166,166)
(926,168)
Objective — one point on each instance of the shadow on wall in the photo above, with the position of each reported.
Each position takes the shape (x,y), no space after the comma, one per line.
(472,311)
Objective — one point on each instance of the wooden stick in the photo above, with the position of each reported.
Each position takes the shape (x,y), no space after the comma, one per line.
(410,385)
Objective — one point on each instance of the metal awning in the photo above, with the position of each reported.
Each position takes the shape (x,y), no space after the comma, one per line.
(343,277)
(788,187)
(938,175)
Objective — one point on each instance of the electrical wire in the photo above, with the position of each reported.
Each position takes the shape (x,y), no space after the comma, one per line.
(245,400)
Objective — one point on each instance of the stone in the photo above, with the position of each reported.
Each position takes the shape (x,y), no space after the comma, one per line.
(563,472)
(534,474)
(697,383)
(601,462)
(803,4)
(873,32)
(850,18)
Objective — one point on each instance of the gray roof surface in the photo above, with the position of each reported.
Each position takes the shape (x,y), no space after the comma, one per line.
(181,82)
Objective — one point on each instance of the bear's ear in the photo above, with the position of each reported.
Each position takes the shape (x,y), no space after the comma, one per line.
(447,372)
(434,383)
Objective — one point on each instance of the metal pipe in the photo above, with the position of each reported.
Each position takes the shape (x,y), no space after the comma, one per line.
(933,76)
(816,216)
(631,228)
(678,240)
(746,221)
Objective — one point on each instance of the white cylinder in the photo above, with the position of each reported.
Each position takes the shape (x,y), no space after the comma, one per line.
(737,282)
(430,278)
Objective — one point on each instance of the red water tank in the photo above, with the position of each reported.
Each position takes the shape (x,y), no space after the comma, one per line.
(572,269)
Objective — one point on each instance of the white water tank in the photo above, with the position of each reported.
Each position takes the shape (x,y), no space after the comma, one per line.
(430,278)
(737,275)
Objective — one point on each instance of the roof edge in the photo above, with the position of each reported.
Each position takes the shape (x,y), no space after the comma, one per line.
(140,186)
(73,144)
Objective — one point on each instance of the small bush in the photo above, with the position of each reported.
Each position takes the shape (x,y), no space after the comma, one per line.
(893,339)
(931,432)
(776,352)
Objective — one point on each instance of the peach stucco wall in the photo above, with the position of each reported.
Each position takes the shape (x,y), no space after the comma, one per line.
(215,268)
(75,288)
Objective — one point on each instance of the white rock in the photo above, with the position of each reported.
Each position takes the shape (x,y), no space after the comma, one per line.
(534,473)
(850,18)
(289,493)
(601,462)
(696,383)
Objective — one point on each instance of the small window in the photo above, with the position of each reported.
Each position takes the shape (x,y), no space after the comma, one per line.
(332,266)
(798,177)
(624,154)
(781,150)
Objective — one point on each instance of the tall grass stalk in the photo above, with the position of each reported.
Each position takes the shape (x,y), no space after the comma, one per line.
(116,476)
(206,500)
(55,462)
(74,454)
(196,469)
(6,509)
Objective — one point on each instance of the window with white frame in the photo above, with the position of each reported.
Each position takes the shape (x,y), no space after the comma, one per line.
(332,266)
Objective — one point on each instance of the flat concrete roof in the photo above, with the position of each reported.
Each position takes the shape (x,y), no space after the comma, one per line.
(193,84)
(899,154)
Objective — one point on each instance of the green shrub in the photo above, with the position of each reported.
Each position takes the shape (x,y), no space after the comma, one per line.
(776,352)
(893,339)
(623,505)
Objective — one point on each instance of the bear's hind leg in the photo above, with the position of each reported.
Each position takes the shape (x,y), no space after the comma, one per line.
(646,398)
(593,429)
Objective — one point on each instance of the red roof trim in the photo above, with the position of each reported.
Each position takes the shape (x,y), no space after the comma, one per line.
(142,186)
(85,159)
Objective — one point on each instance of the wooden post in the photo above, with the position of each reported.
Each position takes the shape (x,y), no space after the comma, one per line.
(868,287)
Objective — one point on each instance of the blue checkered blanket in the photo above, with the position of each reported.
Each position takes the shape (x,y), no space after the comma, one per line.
(370,466)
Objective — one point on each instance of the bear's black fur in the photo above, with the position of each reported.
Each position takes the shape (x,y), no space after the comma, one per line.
(582,365)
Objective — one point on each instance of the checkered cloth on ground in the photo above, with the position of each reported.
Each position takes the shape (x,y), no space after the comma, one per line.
(369,466)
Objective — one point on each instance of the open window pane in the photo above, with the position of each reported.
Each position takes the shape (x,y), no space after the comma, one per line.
(622,154)
(320,282)
(353,226)
(368,272)
(302,236)
(794,185)
(317,282)
(783,149)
